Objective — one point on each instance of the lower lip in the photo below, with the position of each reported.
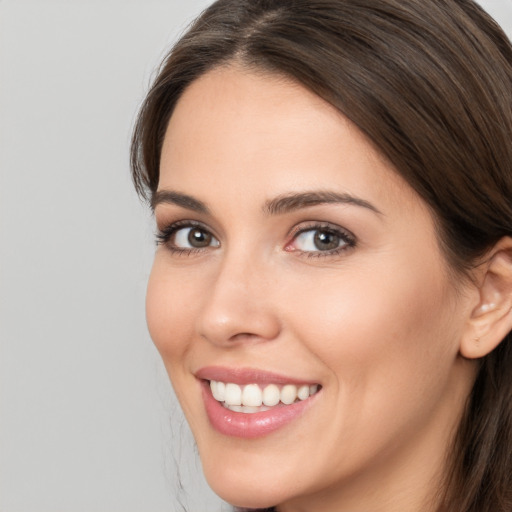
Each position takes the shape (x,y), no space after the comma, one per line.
(250,425)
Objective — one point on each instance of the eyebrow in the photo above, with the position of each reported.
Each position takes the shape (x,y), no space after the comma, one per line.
(279,205)
(179,199)
(295,201)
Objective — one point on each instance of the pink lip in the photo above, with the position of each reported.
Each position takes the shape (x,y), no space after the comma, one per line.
(237,424)
(243,376)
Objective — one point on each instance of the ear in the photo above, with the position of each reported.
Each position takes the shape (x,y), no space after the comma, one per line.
(491,318)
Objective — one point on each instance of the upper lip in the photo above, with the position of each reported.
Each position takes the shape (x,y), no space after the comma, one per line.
(243,376)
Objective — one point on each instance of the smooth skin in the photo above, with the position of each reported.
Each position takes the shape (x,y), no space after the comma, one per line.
(379,322)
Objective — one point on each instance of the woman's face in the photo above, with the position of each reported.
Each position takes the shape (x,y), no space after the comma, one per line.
(296,266)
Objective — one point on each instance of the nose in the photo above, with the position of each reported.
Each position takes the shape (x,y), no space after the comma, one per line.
(238,307)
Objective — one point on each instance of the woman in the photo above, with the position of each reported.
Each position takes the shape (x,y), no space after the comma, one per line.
(332,290)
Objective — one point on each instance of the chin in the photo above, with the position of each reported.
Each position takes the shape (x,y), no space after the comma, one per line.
(250,496)
(253,489)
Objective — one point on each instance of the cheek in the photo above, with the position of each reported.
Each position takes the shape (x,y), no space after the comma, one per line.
(388,347)
(381,330)
(170,316)
(169,321)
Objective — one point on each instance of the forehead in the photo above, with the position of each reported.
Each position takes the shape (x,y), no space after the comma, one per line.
(235,130)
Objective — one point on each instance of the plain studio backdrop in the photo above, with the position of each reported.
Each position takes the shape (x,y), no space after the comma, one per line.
(87,418)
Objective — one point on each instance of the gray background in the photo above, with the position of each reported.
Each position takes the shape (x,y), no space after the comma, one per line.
(87,419)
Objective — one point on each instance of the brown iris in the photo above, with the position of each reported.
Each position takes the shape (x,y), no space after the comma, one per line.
(326,240)
(199,238)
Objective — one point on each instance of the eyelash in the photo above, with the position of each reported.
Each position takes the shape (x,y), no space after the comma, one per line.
(344,235)
(164,236)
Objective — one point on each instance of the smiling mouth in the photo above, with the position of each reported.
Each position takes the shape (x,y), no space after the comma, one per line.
(252,398)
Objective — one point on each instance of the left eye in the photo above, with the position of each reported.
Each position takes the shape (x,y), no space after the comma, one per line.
(320,240)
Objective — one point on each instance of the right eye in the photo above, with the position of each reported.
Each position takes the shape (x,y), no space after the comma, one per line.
(187,238)
(194,237)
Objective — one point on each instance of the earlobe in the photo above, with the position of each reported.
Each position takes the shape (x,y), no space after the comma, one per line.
(491,318)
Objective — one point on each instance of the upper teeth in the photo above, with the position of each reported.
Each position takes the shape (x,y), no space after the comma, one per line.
(253,396)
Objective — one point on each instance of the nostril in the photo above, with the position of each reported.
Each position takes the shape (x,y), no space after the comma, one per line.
(245,336)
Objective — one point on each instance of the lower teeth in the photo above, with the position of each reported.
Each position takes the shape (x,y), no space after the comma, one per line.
(250,410)
(246,408)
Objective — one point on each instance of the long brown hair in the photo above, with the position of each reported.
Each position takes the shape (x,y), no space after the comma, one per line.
(430,84)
